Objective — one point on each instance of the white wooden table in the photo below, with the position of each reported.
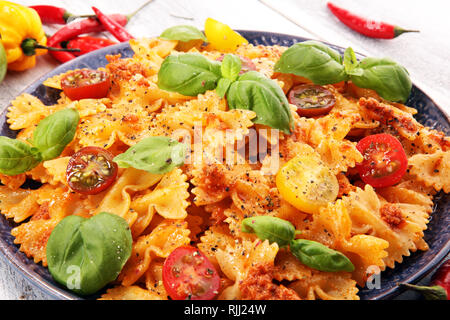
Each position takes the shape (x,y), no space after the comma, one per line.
(424,54)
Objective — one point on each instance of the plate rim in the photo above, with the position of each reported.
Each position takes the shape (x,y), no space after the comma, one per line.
(56,292)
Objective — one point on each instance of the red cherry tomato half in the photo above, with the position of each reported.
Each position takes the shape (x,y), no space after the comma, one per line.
(188,274)
(311,100)
(86,84)
(384,162)
(247,64)
(91,170)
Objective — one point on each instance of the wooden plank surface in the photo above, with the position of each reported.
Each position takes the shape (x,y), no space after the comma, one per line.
(424,54)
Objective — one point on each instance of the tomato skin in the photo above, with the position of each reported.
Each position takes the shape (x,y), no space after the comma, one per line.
(187,269)
(385,160)
(311,100)
(78,164)
(79,84)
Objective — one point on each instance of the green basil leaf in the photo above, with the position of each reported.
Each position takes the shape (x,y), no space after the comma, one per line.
(222,86)
(351,64)
(389,79)
(183,33)
(86,254)
(253,91)
(17,157)
(154,154)
(270,228)
(189,74)
(231,66)
(314,61)
(55,132)
(318,256)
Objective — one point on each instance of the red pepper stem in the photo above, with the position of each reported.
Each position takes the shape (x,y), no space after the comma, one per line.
(430,293)
(131,15)
(30,45)
(398,31)
(67,16)
(57,49)
(72,17)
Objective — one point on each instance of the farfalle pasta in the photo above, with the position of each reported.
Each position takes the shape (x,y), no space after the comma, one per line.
(226,177)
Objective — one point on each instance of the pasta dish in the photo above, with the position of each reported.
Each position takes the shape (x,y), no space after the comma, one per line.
(211,168)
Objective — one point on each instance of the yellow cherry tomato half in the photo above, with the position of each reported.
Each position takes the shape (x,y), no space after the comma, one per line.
(306,182)
(221,37)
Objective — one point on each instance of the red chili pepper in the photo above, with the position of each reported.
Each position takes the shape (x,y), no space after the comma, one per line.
(77,28)
(57,15)
(88,44)
(89,25)
(112,26)
(440,284)
(52,14)
(369,28)
(442,277)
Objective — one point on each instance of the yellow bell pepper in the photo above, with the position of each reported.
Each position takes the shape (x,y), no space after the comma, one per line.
(221,37)
(22,35)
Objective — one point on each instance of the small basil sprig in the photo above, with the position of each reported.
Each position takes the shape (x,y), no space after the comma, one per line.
(153,154)
(311,253)
(192,74)
(189,74)
(323,65)
(50,138)
(270,228)
(253,91)
(351,63)
(230,68)
(86,254)
(183,33)
(320,257)
(314,61)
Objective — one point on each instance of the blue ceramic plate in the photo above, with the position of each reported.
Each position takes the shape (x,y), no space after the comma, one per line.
(411,270)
